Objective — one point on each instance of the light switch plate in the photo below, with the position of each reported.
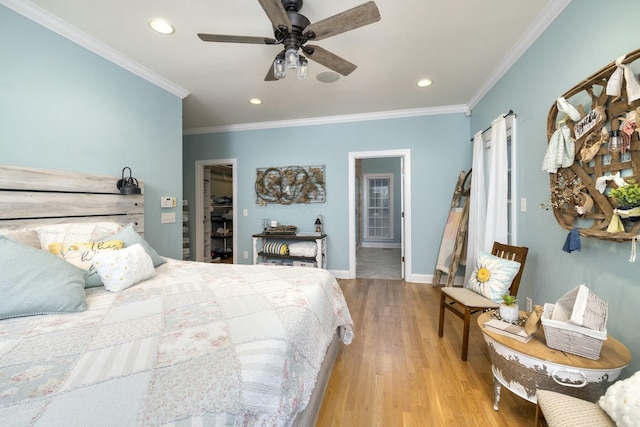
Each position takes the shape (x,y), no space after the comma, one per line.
(168,217)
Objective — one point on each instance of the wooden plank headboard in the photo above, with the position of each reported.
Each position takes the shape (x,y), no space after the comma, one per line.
(31,197)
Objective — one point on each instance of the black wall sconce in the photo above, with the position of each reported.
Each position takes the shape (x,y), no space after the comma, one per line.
(128,185)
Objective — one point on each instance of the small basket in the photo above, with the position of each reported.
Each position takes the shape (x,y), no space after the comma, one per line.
(582,307)
(570,338)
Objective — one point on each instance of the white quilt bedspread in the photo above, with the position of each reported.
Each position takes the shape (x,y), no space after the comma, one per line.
(198,344)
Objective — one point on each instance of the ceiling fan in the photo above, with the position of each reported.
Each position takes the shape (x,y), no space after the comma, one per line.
(293,30)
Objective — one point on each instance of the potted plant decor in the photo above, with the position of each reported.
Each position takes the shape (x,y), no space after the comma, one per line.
(627,198)
(509,309)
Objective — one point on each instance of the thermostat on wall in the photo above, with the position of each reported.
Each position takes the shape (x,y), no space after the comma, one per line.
(167,202)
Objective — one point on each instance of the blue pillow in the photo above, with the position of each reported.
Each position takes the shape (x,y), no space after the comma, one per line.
(33,281)
(130,237)
(492,276)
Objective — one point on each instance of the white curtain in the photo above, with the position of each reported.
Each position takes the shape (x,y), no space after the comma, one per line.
(488,209)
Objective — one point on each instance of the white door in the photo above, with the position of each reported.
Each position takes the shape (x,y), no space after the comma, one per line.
(402,217)
(405,156)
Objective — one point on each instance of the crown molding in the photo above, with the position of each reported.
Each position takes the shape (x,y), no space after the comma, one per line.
(546,17)
(57,25)
(333,119)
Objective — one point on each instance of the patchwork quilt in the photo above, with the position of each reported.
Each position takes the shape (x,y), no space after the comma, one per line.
(197,344)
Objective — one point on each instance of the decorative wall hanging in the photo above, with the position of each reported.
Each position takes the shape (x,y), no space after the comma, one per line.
(606,155)
(290,184)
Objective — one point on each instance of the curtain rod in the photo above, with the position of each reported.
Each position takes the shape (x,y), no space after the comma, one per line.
(510,113)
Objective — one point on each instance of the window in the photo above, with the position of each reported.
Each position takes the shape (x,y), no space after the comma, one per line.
(378,218)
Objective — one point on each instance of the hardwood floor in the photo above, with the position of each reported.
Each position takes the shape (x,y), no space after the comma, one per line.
(398,372)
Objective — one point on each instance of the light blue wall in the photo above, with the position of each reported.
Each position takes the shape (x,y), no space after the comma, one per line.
(439,148)
(388,165)
(63,107)
(570,50)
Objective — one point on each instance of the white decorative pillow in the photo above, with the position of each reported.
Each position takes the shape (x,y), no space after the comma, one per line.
(492,276)
(124,268)
(130,237)
(75,232)
(622,401)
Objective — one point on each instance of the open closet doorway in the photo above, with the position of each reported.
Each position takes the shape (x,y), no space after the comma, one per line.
(215,213)
(379,214)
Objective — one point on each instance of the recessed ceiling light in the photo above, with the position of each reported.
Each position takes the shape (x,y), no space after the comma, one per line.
(327,77)
(255,101)
(424,83)
(161,26)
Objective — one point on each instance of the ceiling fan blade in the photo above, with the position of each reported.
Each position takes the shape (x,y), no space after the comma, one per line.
(329,60)
(276,13)
(271,77)
(365,14)
(236,39)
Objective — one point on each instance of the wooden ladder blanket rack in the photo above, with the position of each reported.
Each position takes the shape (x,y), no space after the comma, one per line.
(461,191)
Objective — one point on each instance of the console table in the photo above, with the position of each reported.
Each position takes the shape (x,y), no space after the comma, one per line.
(320,240)
(525,367)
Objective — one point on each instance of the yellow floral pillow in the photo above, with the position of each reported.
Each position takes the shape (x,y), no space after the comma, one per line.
(492,276)
(81,255)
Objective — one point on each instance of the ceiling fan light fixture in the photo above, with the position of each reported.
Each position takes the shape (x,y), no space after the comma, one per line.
(161,26)
(302,71)
(293,30)
(279,68)
(291,56)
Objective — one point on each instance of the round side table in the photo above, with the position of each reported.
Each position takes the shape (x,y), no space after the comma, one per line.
(524,368)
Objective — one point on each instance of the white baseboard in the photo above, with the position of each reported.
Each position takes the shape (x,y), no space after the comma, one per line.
(383,245)
(418,278)
(340,274)
(457,281)
(411,278)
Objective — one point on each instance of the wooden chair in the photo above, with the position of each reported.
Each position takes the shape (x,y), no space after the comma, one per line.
(464,302)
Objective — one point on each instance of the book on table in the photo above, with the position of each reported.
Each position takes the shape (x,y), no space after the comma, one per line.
(508,330)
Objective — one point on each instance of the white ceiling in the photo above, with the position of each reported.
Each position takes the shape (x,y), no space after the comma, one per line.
(463,46)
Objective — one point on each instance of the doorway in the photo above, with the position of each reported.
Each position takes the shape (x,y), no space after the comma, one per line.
(382,244)
(215,213)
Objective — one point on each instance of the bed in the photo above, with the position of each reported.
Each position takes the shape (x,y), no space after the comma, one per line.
(185,343)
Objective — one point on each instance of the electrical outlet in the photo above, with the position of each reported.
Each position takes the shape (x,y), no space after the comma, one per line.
(529,303)
(245,254)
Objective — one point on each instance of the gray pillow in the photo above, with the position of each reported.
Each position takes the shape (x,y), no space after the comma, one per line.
(27,237)
(35,282)
(129,237)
